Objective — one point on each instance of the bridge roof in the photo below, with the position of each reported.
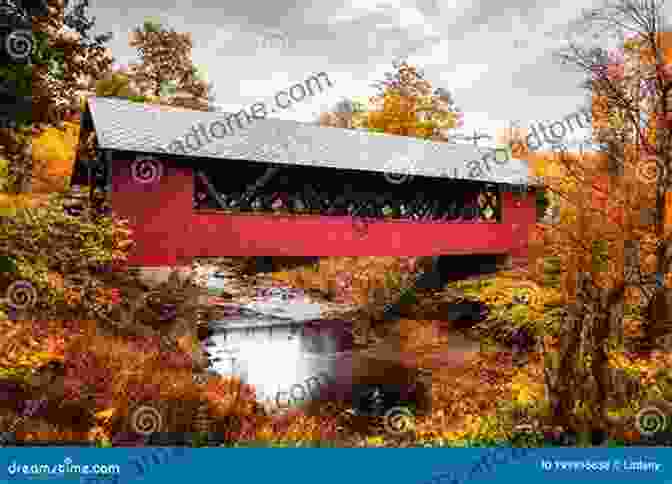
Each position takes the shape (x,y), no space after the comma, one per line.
(145,128)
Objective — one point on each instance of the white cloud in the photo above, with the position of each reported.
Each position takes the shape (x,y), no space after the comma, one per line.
(464,75)
(358,9)
(474,54)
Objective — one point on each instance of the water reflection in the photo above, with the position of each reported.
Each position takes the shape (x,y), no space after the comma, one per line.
(274,357)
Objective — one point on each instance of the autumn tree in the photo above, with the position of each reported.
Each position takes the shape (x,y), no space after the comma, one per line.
(405,106)
(62,65)
(602,232)
(166,56)
(77,18)
(346,113)
(52,81)
(60,70)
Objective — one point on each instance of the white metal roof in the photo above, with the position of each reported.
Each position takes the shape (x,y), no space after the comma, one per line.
(129,126)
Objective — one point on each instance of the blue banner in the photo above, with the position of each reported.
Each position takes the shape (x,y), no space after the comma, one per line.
(335,466)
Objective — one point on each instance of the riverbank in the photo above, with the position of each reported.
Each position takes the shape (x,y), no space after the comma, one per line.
(478,392)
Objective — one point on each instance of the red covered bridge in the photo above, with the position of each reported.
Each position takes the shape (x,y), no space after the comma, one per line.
(198,184)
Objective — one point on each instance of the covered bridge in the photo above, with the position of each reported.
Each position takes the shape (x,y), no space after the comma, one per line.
(204,184)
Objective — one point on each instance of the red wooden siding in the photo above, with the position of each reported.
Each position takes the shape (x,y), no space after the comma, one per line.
(169,232)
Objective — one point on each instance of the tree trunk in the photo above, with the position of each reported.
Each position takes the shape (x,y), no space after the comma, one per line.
(659,317)
(579,381)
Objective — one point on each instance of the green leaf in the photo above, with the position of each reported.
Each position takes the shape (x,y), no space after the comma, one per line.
(408,297)
(520,314)
(9,211)
(600,255)
(168,88)
(391,281)
(7,264)
(152,26)
(427,124)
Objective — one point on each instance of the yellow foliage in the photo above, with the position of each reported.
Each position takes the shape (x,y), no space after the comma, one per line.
(4,173)
(500,291)
(10,203)
(640,368)
(416,335)
(23,354)
(116,84)
(97,433)
(282,276)
(186,343)
(525,390)
(105,414)
(54,154)
(375,441)
(476,427)
(368,274)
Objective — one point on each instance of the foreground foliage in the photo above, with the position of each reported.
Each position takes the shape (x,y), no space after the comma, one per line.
(486,401)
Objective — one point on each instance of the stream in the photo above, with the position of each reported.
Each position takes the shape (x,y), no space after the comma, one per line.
(285,344)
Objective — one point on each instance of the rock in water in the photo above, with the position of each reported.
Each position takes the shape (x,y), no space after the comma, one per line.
(375,400)
(467,311)
(429,280)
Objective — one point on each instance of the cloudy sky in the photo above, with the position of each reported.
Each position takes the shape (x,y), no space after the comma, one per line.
(495,56)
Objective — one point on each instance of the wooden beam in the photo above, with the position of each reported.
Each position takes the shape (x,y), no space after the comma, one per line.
(263,180)
(211,190)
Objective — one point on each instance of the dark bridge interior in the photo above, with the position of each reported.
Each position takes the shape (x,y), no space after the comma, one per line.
(258,187)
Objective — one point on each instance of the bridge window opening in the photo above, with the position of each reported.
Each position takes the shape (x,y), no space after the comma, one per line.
(252,187)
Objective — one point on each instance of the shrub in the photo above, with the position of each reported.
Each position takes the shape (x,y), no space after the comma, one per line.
(515,304)
(62,256)
(53,155)
(115,376)
(116,84)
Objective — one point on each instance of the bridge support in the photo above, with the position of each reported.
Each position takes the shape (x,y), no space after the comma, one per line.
(431,278)
(263,264)
(445,268)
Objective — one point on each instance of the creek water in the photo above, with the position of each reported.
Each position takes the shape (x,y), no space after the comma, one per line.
(280,343)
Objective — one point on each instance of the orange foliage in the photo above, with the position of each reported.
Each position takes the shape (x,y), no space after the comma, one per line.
(405,107)
(54,157)
(594,198)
